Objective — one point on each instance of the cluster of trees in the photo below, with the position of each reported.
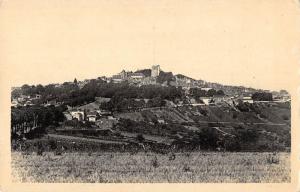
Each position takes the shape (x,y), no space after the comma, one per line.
(262,96)
(44,116)
(70,94)
(143,127)
(197,92)
(119,104)
(165,77)
(206,139)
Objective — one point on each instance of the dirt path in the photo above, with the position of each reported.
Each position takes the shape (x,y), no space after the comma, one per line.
(73,138)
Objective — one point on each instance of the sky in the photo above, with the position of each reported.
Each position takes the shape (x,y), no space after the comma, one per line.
(252,43)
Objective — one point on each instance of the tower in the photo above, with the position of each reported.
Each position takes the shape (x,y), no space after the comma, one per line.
(155,70)
(123,74)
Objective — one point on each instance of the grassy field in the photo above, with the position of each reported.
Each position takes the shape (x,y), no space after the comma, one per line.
(150,167)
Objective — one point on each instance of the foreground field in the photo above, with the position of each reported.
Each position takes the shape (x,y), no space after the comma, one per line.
(150,167)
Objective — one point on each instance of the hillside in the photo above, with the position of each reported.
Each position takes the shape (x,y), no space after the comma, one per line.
(268,125)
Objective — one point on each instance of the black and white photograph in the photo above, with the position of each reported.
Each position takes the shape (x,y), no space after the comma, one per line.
(150,91)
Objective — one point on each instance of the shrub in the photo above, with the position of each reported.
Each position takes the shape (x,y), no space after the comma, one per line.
(52,144)
(154,162)
(186,168)
(140,138)
(234,115)
(172,157)
(263,116)
(273,158)
(285,117)
(58,152)
(40,148)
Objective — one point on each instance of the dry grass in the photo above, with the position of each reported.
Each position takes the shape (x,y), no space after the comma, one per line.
(150,167)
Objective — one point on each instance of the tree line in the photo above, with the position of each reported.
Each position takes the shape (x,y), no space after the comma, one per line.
(71,94)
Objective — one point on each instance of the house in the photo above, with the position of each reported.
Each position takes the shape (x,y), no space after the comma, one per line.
(124,74)
(14,103)
(38,96)
(23,98)
(161,121)
(28,103)
(67,115)
(221,99)
(117,79)
(206,88)
(207,100)
(148,81)
(137,76)
(91,116)
(104,112)
(247,99)
(50,102)
(77,114)
(104,123)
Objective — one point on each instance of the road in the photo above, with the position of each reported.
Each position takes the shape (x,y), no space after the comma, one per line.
(73,138)
(243,123)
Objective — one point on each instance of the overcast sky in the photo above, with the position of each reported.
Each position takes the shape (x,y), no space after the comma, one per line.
(251,43)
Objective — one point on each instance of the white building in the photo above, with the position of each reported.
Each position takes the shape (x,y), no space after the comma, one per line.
(14,103)
(247,99)
(207,100)
(77,114)
(137,76)
(92,116)
(155,71)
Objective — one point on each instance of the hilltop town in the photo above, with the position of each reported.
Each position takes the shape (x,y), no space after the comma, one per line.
(153,76)
(153,107)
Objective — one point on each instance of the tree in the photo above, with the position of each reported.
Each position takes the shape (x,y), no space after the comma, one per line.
(211,93)
(75,81)
(40,89)
(208,138)
(140,138)
(220,92)
(262,96)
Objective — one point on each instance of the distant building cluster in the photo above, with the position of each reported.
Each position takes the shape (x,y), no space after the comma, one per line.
(25,100)
(233,94)
(137,77)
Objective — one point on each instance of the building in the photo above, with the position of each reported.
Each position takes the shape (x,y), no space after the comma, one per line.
(14,103)
(38,96)
(207,100)
(206,88)
(123,74)
(50,102)
(148,81)
(137,76)
(155,71)
(68,116)
(247,99)
(77,114)
(117,79)
(105,123)
(103,112)
(92,116)
(28,103)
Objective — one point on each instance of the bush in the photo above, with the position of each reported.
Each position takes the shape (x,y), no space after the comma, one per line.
(285,117)
(154,162)
(273,159)
(140,138)
(40,148)
(52,144)
(186,168)
(234,115)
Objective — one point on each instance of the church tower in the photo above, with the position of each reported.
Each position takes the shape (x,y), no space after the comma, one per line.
(155,71)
